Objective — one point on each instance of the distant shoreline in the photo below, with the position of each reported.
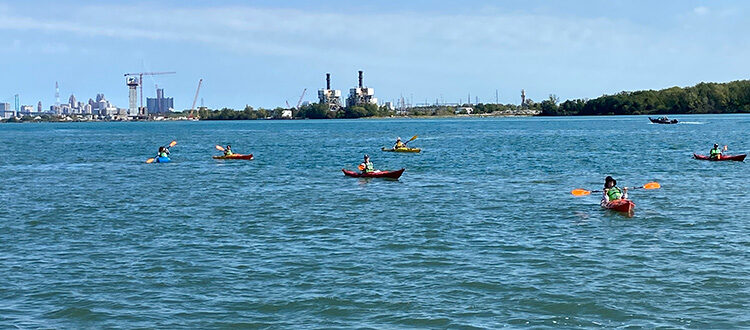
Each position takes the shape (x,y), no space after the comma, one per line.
(458,116)
(173,119)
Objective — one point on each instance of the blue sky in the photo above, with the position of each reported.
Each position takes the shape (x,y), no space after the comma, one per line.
(264,53)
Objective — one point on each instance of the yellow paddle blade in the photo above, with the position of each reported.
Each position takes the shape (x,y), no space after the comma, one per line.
(361,167)
(725,148)
(412,138)
(580,192)
(652,185)
(220,148)
(150,160)
(172,144)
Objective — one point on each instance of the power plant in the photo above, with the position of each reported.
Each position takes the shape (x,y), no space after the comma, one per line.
(329,96)
(361,95)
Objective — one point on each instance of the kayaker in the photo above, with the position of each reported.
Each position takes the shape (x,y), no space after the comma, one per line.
(163,152)
(715,153)
(366,166)
(612,192)
(399,144)
(228,151)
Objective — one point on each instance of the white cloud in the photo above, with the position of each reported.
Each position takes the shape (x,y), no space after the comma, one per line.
(701,10)
(289,32)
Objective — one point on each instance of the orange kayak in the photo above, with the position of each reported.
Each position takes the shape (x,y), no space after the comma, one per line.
(620,205)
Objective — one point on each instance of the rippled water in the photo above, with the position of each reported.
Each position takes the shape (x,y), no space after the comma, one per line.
(480,231)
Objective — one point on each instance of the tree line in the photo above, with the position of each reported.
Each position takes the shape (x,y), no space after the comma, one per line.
(322,111)
(731,97)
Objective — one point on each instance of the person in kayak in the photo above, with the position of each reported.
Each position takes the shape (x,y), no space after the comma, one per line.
(612,192)
(228,151)
(715,153)
(163,152)
(366,166)
(399,144)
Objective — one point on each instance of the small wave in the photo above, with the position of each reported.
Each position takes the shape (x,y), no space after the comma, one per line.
(692,122)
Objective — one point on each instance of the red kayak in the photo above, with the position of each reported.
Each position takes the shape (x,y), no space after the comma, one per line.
(235,156)
(738,158)
(620,205)
(376,174)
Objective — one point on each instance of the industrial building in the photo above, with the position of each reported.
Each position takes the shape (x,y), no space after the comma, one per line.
(160,104)
(329,96)
(361,95)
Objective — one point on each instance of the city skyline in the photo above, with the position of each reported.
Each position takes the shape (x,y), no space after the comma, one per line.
(265,53)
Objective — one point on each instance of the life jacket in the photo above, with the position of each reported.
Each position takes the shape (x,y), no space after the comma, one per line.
(614,193)
(163,154)
(228,152)
(399,145)
(715,153)
(369,167)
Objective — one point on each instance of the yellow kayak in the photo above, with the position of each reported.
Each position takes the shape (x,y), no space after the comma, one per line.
(402,149)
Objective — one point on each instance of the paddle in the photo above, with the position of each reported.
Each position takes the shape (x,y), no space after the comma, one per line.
(584,192)
(412,139)
(171,144)
(220,148)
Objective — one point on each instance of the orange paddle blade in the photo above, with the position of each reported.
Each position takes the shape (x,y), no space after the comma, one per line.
(725,148)
(580,192)
(652,185)
(150,160)
(220,148)
(412,138)
(361,167)
(172,144)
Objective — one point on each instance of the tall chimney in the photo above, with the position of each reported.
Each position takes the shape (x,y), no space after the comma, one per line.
(328,81)
(360,78)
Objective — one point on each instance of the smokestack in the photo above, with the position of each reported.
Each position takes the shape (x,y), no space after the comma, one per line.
(328,81)
(360,78)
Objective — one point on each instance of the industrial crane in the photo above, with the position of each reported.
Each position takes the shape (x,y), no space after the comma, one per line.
(195,99)
(140,79)
(300,98)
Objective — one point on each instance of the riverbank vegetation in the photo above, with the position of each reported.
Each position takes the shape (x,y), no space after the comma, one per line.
(322,111)
(731,97)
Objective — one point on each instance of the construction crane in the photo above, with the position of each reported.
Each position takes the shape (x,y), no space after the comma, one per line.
(300,98)
(140,79)
(195,99)
(287,105)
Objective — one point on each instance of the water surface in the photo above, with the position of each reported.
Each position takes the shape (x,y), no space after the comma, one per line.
(480,231)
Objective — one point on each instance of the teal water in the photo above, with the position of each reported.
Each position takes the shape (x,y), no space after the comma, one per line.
(481,230)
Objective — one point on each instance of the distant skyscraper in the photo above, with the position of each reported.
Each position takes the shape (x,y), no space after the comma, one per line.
(72,101)
(39,107)
(160,104)
(57,95)
(133,83)
(6,111)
